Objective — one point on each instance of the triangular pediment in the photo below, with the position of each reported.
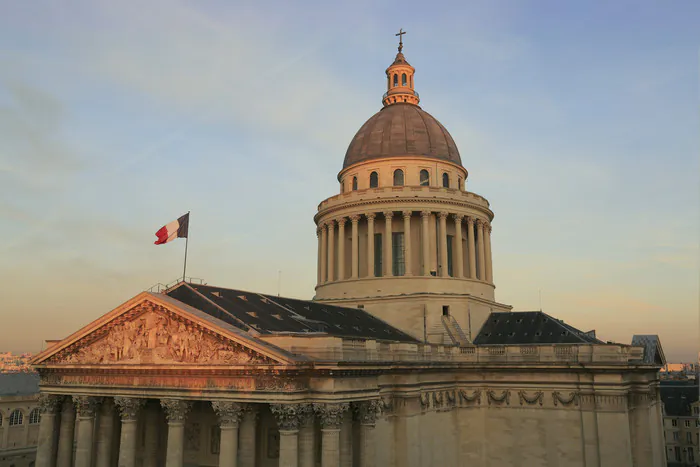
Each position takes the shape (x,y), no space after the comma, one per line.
(155,331)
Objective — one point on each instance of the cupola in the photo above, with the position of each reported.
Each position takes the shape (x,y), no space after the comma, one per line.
(399,79)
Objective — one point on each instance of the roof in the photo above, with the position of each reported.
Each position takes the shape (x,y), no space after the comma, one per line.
(530,327)
(269,315)
(677,397)
(653,353)
(400,130)
(19,384)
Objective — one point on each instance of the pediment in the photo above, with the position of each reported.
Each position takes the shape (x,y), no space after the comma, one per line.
(150,333)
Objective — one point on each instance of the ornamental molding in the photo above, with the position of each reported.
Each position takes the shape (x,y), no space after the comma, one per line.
(355,218)
(86,406)
(176,410)
(229,412)
(50,403)
(466,399)
(367,412)
(129,407)
(572,399)
(433,201)
(151,334)
(502,399)
(537,398)
(331,415)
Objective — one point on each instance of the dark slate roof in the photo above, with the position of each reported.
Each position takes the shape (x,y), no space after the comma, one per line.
(400,130)
(653,353)
(530,327)
(19,384)
(269,314)
(677,397)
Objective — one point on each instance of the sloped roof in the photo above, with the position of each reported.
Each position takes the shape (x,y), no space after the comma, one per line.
(19,384)
(530,327)
(653,353)
(677,397)
(268,314)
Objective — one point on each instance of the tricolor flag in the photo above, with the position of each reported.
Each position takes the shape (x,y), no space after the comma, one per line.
(173,230)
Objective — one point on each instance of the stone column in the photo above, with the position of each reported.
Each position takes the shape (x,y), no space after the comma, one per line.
(355,246)
(471,248)
(66,435)
(370,244)
(341,248)
(318,257)
(387,256)
(444,272)
(307,455)
(229,414)
(85,407)
(407,242)
(288,417)
(367,412)
(129,409)
(105,432)
(331,416)
(176,414)
(49,405)
(345,438)
(487,246)
(247,443)
(330,226)
(480,249)
(425,218)
(324,251)
(150,427)
(459,255)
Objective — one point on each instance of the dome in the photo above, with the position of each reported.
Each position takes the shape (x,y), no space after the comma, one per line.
(400,130)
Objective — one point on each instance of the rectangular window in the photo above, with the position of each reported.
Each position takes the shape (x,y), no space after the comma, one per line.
(445,310)
(674,422)
(696,410)
(691,455)
(677,451)
(398,259)
(378,255)
(675,436)
(689,437)
(450,239)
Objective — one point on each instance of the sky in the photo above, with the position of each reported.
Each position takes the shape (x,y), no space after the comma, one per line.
(577,120)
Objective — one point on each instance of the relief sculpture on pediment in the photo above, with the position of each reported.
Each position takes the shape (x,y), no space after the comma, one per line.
(153,338)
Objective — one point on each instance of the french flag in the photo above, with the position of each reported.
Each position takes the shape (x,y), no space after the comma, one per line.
(173,230)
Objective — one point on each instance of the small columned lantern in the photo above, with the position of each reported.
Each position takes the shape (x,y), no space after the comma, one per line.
(399,79)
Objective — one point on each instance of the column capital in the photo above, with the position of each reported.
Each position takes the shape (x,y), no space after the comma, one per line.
(86,406)
(331,415)
(479,222)
(470,220)
(50,403)
(370,216)
(355,218)
(368,411)
(288,416)
(388,214)
(406,214)
(229,412)
(425,214)
(129,407)
(330,223)
(341,221)
(443,215)
(319,229)
(487,226)
(175,409)
(458,218)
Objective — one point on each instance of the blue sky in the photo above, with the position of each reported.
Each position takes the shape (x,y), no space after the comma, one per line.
(577,120)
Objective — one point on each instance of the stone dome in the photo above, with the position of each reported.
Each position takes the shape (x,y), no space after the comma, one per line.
(400,130)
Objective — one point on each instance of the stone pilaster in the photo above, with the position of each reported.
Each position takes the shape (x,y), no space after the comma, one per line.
(481,274)
(331,416)
(105,433)
(330,226)
(355,220)
(459,254)
(444,270)
(370,244)
(341,248)
(50,406)
(229,414)
(85,407)
(324,254)
(425,241)
(66,435)
(345,439)
(247,441)
(471,248)
(288,417)
(387,254)
(319,281)
(487,253)
(176,413)
(307,455)
(407,256)
(367,413)
(129,409)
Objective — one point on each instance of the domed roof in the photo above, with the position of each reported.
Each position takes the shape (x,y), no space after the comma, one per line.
(401,130)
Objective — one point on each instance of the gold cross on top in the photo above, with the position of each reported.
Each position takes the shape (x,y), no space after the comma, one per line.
(400,34)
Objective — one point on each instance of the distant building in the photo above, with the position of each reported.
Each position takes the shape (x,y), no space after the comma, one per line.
(681,422)
(19,419)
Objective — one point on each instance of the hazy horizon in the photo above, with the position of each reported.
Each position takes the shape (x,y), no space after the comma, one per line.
(578,122)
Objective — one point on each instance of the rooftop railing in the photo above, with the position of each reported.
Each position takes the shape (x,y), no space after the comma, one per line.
(393,192)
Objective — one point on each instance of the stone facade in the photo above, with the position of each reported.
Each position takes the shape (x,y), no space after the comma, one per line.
(19,430)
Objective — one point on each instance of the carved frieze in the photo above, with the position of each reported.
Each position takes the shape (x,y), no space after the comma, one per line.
(572,399)
(150,334)
(537,398)
(502,399)
(466,399)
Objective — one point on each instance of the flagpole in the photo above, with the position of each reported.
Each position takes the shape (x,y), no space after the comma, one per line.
(187,241)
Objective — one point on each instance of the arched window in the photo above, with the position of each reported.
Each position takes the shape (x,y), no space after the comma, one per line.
(445,180)
(459,183)
(398,177)
(404,82)
(354,183)
(16,417)
(34,416)
(424,178)
(373,180)
(396,79)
